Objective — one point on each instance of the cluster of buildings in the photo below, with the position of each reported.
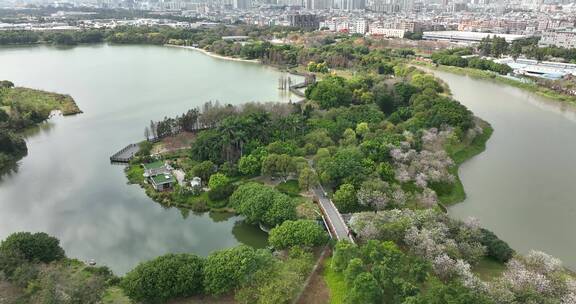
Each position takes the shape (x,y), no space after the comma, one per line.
(544,69)
(565,38)
(462,21)
(159,175)
(162,177)
(385,28)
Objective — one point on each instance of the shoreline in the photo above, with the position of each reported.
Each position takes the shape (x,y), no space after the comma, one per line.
(485,75)
(59,104)
(460,154)
(213,55)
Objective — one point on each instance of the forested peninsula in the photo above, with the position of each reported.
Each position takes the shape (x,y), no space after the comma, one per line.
(22,108)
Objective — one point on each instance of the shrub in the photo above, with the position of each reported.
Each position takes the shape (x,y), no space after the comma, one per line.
(495,247)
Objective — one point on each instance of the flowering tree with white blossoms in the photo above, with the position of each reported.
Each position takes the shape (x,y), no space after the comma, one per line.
(535,278)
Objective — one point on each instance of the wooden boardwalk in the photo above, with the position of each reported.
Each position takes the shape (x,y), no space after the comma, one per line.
(126,154)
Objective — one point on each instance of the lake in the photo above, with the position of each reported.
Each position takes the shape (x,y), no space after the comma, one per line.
(523,186)
(66,185)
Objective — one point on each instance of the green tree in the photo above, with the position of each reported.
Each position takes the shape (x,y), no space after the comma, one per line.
(165,277)
(365,290)
(280,165)
(453,293)
(319,138)
(204,170)
(281,209)
(307,178)
(252,200)
(348,138)
(354,268)
(33,246)
(249,165)
(331,92)
(345,198)
(362,129)
(262,204)
(386,172)
(227,269)
(495,247)
(297,233)
(499,46)
(425,81)
(343,253)
(217,181)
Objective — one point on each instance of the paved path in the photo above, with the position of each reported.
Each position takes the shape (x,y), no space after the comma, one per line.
(180,176)
(331,213)
(333,216)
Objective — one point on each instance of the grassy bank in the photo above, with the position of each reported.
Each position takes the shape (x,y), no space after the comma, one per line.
(487,75)
(335,282)
(460,153)
(37,101)
(20,110)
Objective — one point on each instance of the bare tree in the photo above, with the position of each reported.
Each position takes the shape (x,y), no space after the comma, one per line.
(147,133)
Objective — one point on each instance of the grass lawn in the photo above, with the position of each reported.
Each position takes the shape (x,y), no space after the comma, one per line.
(115,295)
(135,174)
(335,282)
(290,188)
(39,101)
(488,269)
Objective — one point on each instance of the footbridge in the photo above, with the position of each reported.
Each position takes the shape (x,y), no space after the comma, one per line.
(333,220)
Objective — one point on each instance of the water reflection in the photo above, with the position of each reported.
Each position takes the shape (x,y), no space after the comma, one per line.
(66,185)
(522,186)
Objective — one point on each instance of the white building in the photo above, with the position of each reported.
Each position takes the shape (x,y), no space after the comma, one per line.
(467,37)
(359,26)
(544,69)
(386,32)
(566,39)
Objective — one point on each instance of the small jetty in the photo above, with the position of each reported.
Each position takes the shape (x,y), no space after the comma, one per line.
(126,154)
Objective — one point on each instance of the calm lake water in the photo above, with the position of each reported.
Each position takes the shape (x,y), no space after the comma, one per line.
(523,187)
(66,185)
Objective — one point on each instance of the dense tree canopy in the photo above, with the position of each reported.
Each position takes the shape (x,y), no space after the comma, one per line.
(165,277)
(262,204)
(33,246)
(331,92)
(229,268)
(297,233)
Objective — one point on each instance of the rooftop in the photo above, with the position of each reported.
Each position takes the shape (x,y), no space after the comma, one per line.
(163,179)
(154,165)
(468,36)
